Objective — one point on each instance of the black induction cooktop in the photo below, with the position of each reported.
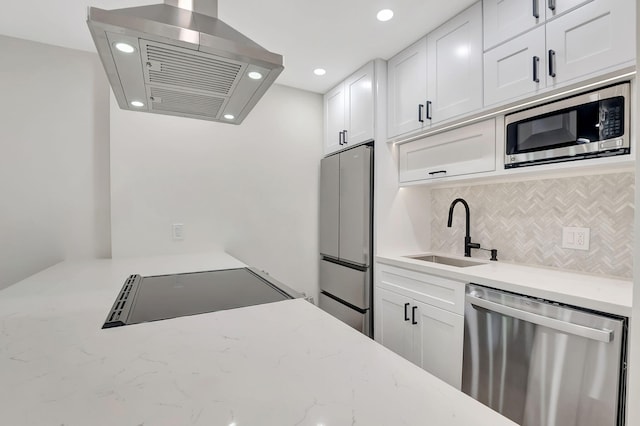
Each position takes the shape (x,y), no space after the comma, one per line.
(161,297)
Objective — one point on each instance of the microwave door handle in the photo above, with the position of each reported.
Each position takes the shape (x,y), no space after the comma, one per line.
(605,335)
(536,68)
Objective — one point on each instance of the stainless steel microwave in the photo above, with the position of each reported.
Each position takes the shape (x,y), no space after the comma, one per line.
(593,124)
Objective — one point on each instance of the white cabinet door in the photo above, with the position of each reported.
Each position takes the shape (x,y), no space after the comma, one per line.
(454,66)
(407,89)
(359,108)
(505,19)
(558,7)
(438,340)
(596,36)
(515,68)
(469,149)
(393,329)
(334,119)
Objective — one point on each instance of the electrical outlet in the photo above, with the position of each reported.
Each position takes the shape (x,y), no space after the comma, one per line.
(177,231)
(575,238)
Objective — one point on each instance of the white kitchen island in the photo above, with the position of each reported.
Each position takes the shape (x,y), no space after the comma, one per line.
(283,363)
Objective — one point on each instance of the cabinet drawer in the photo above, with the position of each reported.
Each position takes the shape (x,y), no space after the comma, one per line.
(469,149)
(440,292)
(348,284)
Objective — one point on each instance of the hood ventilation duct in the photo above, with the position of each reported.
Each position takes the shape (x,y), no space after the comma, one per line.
(178,59)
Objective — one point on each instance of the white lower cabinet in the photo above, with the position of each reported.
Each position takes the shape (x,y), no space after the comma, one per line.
(420,317)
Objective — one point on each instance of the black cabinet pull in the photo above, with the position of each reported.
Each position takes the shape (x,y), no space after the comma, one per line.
(340,138)
(436,172)
(536,66)
(344,137)
(406,314)
(428,110)
(420,106)
(552,4)
(552,63)
(413,315)
(536,12)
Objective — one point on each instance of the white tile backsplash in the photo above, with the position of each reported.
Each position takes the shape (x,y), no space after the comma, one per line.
(524,221)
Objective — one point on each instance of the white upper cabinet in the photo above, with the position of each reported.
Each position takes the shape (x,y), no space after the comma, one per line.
(557,7)
(349,111)
(596,36)
(454,66)
(505,19)
(590,38)
(359,106)
(407,85)
(438,77)
(334,119)
(465,150)
(515,68)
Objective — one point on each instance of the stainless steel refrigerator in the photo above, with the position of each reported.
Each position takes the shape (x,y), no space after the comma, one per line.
(346,236)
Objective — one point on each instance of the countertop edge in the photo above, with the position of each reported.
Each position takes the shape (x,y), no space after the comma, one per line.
(487,275)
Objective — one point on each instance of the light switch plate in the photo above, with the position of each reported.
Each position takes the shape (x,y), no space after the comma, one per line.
(575,238)
(177,231)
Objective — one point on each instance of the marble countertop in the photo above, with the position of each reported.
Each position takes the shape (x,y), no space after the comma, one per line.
(284,363)
(600,293)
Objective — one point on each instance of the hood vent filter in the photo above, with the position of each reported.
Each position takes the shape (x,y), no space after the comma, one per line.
(181,62)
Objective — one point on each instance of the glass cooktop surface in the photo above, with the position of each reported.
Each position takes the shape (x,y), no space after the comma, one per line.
(154,298)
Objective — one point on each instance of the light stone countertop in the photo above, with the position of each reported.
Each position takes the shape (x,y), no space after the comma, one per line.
(284,363)
(600,293)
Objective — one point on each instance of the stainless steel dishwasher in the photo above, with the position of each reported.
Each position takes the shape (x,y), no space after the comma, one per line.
(541,363)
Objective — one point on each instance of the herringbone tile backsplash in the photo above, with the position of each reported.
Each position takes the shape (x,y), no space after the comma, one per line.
(524,221)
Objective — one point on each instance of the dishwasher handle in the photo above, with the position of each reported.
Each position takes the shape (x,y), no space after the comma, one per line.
(605,335)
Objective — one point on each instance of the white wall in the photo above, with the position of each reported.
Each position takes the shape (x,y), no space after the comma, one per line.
(403,215)
(634,356)
(251,190)
(54,157)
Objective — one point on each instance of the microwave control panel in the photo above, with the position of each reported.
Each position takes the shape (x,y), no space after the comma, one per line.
(611,118)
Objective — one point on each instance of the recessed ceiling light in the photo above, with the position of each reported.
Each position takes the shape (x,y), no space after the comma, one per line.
(229,116)
(125,47)
(137,104)
(319,71)
(384,15)
(255,75)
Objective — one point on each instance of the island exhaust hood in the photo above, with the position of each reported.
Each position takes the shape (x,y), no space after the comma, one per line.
(178,59)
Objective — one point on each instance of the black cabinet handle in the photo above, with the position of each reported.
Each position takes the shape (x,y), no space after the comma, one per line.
(344,137)
(436,172)
(552,4)
(413,315)
(552,63)
(420,107)
(536,12)
(536,66)
(428,110)
(406,314)
(340,138)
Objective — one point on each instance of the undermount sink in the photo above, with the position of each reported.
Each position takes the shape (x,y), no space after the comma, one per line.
(444,260)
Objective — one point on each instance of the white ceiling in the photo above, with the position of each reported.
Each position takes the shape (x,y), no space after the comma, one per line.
(338,35)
